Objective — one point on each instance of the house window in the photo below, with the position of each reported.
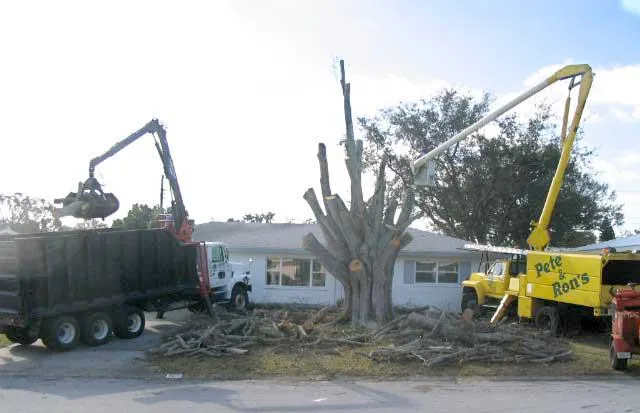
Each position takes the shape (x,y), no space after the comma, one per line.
(426,272)
(448,272)
(295,272)
(431,272)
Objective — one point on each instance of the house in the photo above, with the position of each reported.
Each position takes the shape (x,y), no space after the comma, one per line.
(7,231)
(427,272)
(624,243)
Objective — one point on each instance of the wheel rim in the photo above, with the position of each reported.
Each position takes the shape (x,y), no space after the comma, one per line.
(66,333)
(134,322)
(100,329)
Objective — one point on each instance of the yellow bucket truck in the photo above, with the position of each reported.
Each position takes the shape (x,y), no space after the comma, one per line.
(553,288)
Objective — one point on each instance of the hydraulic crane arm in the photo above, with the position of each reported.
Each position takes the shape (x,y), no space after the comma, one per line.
(423,166)
(153,127)
(91,202)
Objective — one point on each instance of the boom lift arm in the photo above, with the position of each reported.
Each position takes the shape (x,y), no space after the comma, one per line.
(91,202)
(423,166)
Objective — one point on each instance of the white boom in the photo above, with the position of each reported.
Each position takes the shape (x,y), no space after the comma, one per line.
(422,167)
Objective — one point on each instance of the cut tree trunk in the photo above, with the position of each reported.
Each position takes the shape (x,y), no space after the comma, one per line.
(361,243)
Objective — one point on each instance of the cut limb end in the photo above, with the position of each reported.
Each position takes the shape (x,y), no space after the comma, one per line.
(355,265)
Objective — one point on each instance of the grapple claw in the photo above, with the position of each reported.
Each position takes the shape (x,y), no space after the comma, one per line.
(88,203)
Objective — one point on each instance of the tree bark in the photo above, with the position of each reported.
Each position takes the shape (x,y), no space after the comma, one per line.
(361,242)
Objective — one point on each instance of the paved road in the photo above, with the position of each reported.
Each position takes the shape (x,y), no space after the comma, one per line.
(29,394)
(32,379)
(118,358)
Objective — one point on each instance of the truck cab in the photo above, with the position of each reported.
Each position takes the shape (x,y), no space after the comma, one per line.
(230,281)
(486,288)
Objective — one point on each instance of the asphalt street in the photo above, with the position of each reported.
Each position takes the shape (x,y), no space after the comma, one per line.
(70,395)
(116,378)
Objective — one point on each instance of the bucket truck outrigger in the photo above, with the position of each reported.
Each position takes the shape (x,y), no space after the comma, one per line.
(555,289)
(228,282)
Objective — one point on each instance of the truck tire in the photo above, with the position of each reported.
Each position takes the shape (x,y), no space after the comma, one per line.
(20,336)
(239,298)
(615,362)
(129,322)
(470,301)
(96,328)
(61,333)
(548,319)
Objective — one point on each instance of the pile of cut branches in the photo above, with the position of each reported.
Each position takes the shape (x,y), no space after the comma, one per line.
(437,337)
(229,333)
(432,336)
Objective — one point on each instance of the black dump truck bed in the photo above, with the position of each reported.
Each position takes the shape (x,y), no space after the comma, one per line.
(48,274)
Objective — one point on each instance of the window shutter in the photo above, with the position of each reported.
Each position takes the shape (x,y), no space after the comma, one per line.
(409,272)
(464,270)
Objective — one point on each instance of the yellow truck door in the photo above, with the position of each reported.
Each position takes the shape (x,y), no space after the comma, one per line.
(496,279)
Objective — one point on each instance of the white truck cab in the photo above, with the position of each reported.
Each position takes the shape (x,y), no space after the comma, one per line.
(230,282)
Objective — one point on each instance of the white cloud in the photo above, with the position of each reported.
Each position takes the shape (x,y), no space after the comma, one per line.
(632,6)
(621,173)
(622,115)
(245,105)
(615,93)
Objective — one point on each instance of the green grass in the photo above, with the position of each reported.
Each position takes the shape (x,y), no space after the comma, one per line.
(591,359)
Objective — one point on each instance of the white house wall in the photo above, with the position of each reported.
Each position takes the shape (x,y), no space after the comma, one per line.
(263,293)
(446,296)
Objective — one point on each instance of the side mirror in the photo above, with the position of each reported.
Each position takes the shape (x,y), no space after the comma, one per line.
(425,174)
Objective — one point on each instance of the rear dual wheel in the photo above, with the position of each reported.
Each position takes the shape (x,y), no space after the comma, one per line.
(548,319)
(64,332)
(61,333)
(129,322)
(96,328)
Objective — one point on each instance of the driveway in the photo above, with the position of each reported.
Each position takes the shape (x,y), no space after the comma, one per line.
(118,358)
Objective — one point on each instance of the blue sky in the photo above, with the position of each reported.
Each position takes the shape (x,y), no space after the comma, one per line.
(248,88)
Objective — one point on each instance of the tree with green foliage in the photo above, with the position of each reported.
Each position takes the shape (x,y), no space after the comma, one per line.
(488,188)
(264,217)
(606,230)
(24,214)
(140,216)
(261,217)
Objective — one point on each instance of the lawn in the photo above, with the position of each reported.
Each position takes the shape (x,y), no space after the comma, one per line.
(4,341)
(590,358)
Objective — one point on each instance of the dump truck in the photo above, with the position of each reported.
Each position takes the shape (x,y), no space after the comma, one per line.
(82,286)
(555,289)
(229,283)
(70,286)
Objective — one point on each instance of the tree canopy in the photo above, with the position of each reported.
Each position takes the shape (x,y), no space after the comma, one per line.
(489,187)
(23,213)
(140,216)
(606,230)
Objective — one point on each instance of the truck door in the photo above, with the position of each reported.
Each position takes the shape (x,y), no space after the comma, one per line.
(496,278)
(219,269)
